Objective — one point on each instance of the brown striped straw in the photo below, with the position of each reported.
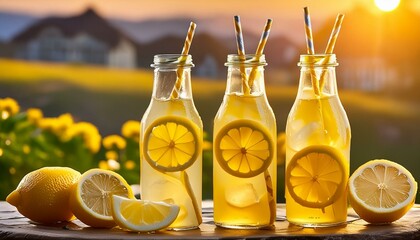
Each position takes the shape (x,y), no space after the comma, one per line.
(271,197)
(182,60)
(308,32)
(260,50)
(331,44)
(239,37)
(310,47)
(241,52)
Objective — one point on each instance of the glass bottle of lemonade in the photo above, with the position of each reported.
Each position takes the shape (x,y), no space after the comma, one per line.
(171,142)
(244,166)
(317,147)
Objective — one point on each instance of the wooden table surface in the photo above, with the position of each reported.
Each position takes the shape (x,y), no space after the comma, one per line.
(14,226)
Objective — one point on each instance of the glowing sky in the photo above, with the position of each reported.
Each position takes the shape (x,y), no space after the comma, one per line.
(142,9)
(287,14)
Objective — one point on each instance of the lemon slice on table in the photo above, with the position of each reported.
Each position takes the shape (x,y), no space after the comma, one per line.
(90,200)
(381,191)
(142,215)
(244,148)
(171,143)
(316,176)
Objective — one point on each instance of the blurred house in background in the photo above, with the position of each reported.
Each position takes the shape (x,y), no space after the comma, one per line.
(377,51)
(89,38)
(86,38)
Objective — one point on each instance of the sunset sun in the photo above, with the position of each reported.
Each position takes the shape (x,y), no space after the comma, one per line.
(387,5)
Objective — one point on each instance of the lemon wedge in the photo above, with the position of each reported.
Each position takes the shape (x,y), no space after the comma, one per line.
(142,215)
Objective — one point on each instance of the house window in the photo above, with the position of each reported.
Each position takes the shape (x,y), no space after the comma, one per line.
(51,45)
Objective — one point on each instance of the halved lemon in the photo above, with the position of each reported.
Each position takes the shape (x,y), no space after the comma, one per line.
(142,215)
(382,191)
(90,199)
(171,143)
(244,148)
(316,176)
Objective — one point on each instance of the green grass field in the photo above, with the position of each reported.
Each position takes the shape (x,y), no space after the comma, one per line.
(382,127)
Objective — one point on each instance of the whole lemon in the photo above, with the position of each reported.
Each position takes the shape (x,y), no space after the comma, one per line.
(43,195)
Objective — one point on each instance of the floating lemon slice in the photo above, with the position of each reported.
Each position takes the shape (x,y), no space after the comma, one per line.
(316,176)
(142,215)
(171,144)
(382,191)
(244,148)
(90,200)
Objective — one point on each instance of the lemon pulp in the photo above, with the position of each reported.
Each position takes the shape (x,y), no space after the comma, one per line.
(316,176)
(244,148)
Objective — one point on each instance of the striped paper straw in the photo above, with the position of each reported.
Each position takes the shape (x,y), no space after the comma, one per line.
(241,52)
(239,37)
(182,60)
(271,197)
(310,47)
(334,34)
(264,37)
(331,44)
(260,50)
(308,32)
(188,39)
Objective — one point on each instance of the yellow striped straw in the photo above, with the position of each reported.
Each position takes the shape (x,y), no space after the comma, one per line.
(264,37)
(334,34)
(182,60)
(331,44)
(241,52)
(260,50)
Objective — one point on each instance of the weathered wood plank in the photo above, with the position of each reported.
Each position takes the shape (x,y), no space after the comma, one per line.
(15,226)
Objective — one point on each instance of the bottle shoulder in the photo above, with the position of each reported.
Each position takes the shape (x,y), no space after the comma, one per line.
(173,107)
(254,108)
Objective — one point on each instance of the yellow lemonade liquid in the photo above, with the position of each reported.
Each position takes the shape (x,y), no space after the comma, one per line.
(168,186)
(241,202)
(317,120)
(171,139)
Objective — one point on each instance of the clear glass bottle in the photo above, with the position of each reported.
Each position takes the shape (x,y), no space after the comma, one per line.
(171,142)
(317,147)
(244,152)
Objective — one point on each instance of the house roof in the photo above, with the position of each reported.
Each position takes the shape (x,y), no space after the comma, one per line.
(87,22)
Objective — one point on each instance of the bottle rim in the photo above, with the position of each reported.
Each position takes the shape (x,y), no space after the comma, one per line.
(172,61)
(318,60)
(249,60)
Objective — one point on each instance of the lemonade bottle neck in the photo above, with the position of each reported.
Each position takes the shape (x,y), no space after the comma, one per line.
(317,76)
(172,76)
(245,75)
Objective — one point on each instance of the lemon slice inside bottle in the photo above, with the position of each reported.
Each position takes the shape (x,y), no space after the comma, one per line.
(244,148)
(171,144)
(316,176)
